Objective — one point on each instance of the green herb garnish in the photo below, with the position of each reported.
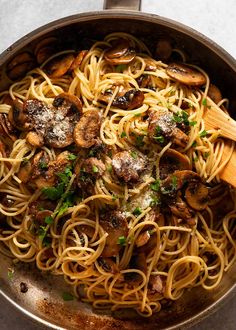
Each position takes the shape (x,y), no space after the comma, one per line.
(134,154)
(53,193)
(109,168)
(137,211)
(181,117)
(122,240)
(203,133)
(10,273)
(72,157)
(43,165)
(95,169)
(139,140)
(48,220)
(123,134)
(42,232)
(155,201)
(155,185)
(194,144)
(121,67)
(66,296)
(204,102)
(160,138)
(192,123)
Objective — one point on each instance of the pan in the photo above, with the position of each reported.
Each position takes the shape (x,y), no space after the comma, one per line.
(42,301)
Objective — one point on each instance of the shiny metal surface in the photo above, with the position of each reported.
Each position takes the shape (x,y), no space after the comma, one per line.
(122,4)
(43,301)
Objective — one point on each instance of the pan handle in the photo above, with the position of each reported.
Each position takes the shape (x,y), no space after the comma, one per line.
(122,4)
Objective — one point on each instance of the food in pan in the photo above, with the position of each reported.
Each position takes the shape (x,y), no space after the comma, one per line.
(108,176)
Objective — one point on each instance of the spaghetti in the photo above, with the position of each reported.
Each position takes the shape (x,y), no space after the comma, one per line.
(109,177)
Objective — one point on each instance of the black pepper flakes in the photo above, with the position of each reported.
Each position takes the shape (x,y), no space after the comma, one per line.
(23,287)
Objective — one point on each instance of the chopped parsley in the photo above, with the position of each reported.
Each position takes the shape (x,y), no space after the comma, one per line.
(48,220)
(137,114)
(155,201)
(155,185)
(137,211)
(123,134)
(134,154)
(204,102)
(192,123)
(122,240)
(54,193)
(174,182)
(95,169)
(194,144)
(42,232)
(121,67)
(181,117)
(160,138)
(10,273)
(66,296)
(206,154)
(171,187)
(139,141)
(109,168)
(203,133)
(43,165)
(72,157)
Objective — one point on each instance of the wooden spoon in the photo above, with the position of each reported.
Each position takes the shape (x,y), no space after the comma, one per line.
(217,119)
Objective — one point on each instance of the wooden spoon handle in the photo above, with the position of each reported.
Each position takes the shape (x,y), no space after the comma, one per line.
(217,119)
(228,174)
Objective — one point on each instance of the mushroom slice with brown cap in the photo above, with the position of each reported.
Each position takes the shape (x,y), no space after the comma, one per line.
(171,161)
(139,262)
(68,103)
(20,65)
(78,60)
(41,215)
(143,238)
(59,66)
(132,99)
(24,173)
(186,74)
(120,52)
(214,93)
(115,224)
(196,195)
(35,139)
(163,50)
(45,48)
(87,129)
(128,165)
(6,128)
(17,116)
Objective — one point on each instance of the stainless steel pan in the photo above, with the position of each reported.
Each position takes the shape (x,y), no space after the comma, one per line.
(43,301)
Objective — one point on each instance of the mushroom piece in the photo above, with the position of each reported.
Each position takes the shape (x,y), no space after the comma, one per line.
(150,65)
(196,195)
(78,60)
(120,52)
(41,215)
(214,93)
(163,50)
(20,65)
(162,129)
(45,48)
(171,161)
(128,165)
(143,238)
(144,81)
(177,180)
(115,224)
(139,262)
(6,128)
(132,99)
(40,174)
(68,103)
(35,139)
(59,66)
(181,210)
(108,265)
(87,129)
(185,74)
(17,116)
(155,284)
(94,167)
(24,173)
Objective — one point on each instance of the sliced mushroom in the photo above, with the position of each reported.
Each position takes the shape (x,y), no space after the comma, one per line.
(186,74)
(162,129)
(128,165)
(25,170)
(108,265)
(181,210)
(59,66)
(139,262)
(163,50)
(177,180)
(214,93)
(87,129)
(196,196)
(144,81)
(120,52)
(150,65)
(143,238)
(45,48)
(115,224)
(16,115)
(155,284)
(171,161)
(87,230)
(41,176)
(78,60)
(20,65)
(68,103)
(6,128)
(35,139)
(132,99)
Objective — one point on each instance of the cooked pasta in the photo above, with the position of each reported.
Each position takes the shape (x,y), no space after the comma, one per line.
(109,177)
